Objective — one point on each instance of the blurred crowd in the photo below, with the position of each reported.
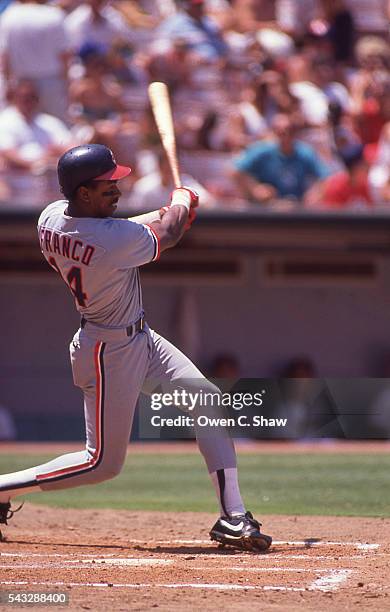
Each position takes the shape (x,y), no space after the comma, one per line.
(277,103)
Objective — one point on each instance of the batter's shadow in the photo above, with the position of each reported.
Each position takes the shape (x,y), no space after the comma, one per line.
(307,543)
(6,540)
(195,550)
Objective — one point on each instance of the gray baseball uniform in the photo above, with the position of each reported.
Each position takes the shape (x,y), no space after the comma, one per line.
(114,354)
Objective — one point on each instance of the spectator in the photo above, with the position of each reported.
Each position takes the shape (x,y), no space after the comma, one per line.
(279,169)
(340,29)
(374,113)
(299,367)
(7,425)
(379,175)
(97,95)
(225,365)
(379,411)
(370,88)
(294,17)
(94,21)
(297,390)
(349,188)
(313,100)
(121,64)
(323,75)
(170,62)
(30,142)
(153,190)
(193,25)
(251,118)
(34,46)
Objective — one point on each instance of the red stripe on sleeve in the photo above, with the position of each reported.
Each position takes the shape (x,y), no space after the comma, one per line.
(157,238)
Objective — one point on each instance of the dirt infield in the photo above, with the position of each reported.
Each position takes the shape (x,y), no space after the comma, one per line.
(123,560)
(139,561)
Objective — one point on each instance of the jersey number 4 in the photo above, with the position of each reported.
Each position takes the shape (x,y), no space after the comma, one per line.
(74,281)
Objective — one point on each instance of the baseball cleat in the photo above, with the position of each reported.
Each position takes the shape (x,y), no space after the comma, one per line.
(241,531)
(6,513)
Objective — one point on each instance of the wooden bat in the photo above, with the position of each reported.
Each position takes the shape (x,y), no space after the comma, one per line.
(161,107)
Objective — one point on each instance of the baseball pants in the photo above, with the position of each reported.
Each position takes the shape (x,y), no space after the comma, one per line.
(112,370)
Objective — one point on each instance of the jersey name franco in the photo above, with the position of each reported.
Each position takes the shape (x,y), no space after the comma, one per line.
(98,259)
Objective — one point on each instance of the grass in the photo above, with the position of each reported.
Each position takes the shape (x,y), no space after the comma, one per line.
(340,484)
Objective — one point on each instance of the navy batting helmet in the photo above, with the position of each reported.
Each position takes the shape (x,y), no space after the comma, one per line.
(85,163)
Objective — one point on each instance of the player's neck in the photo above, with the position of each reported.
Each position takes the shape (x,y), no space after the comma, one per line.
(75,210)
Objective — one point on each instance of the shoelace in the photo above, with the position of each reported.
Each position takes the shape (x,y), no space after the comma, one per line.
(252,520)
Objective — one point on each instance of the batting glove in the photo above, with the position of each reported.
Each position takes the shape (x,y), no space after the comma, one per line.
(184,196)
(194,196)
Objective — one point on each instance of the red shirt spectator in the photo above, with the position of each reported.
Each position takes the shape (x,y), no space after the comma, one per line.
(371,121)
(341,190)
(349,188)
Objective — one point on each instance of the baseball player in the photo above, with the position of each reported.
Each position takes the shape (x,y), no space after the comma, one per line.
(114,354)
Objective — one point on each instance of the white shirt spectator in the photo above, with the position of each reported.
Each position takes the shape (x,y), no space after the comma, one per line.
(33,37)
(295,16)
(82,27)
(314,103)
(31,138)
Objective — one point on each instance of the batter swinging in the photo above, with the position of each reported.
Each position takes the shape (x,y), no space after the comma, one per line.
(114,354)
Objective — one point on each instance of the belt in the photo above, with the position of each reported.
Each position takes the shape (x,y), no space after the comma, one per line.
(130,330)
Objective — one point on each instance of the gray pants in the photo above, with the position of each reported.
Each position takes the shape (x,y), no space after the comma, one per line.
(112,370)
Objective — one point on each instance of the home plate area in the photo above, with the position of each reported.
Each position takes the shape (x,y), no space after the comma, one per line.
(97,569)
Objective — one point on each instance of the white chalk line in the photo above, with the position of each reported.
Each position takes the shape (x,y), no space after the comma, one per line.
(145,564)
(329,583)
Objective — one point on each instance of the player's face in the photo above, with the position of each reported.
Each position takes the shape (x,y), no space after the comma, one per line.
(104,196)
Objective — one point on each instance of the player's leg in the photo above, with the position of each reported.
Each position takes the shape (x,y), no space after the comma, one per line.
(172,370)
(111,375)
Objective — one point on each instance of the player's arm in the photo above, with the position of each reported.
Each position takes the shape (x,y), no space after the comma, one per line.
(170,222)
(175,218)
(146,218)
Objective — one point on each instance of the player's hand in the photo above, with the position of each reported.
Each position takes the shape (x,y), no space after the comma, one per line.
(163,210)
(184,196)
(194,196)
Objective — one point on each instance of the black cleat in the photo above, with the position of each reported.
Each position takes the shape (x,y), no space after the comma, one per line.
(241,531)
(6,513)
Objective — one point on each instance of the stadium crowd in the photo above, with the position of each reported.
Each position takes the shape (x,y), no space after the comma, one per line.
(282,103)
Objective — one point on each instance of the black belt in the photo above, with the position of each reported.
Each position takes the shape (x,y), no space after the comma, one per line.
(130,330)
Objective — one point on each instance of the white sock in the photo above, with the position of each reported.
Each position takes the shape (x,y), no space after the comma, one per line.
(228,491)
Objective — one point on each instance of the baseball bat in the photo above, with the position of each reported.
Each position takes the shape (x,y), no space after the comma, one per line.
(161,107)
